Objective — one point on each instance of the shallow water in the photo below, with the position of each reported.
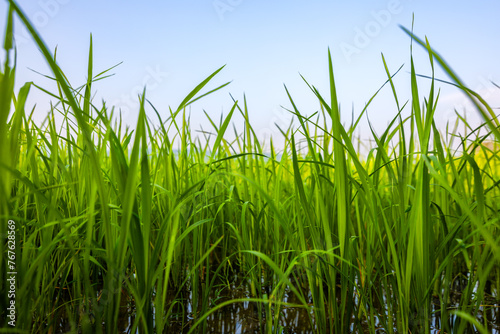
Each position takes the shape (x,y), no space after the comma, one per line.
(250,317)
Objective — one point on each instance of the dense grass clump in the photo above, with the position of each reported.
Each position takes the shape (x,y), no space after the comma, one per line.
(112,221)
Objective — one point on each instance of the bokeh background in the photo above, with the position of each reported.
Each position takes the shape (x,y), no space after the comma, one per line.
(170,46)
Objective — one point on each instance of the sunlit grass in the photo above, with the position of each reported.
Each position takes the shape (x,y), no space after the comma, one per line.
(391,240)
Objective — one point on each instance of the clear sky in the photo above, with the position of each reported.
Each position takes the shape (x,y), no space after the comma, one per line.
(171,45)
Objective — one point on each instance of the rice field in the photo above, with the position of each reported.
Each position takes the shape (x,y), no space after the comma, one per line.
(152,230)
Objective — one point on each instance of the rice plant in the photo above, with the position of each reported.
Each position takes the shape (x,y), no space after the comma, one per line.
(154,230)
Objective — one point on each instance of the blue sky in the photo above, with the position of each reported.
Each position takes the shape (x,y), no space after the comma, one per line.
(170,46)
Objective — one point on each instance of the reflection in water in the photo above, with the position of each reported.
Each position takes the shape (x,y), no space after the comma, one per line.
(250,317)
(244,317)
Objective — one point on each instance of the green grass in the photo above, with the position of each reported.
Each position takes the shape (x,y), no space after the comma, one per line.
(106,214)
